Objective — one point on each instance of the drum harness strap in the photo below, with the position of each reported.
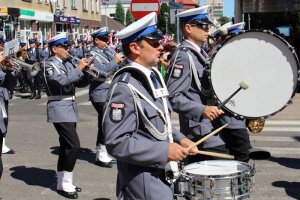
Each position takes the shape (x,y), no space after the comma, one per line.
(194,74)
(165,116)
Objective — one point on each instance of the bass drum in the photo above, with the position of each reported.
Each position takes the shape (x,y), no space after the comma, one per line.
(266,62)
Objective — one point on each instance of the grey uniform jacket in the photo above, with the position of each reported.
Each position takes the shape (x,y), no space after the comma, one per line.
(141,157)
(187,100)
(33,54)
(78,52)
(60,82)
(44,54)
(104,62)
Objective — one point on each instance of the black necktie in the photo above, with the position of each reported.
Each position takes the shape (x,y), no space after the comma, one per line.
(154,80)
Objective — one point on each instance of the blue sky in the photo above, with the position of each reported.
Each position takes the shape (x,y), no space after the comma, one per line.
(228,7)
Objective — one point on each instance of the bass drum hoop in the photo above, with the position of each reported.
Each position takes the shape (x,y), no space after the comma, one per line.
(219,100)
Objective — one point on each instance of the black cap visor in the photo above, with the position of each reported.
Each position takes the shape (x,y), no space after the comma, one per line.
(151,36)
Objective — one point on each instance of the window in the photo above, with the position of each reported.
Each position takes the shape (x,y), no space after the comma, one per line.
(84,6)
(39,1)
(64,3)
(73,4)
(46,1)
(92,6)
(97,6)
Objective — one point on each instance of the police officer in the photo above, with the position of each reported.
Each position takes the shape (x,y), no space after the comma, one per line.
(235,135)
(99,87)
(8,82)
(190,93)
(33,57)
(136,121)
(61,78)
(188,84)
(2,104)
(45,52)
(78,51)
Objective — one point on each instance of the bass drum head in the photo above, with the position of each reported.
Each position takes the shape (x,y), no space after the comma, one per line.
(269,66)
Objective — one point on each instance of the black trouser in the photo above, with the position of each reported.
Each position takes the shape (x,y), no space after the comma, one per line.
(69,145)
(37,82)
(99,106)
(238,143)
(200,157)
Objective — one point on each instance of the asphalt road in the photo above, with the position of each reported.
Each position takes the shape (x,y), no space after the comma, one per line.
(30,173)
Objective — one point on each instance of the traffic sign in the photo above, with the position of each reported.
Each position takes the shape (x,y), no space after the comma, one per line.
(140,8)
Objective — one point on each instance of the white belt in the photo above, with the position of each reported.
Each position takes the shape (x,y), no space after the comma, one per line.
(61,98)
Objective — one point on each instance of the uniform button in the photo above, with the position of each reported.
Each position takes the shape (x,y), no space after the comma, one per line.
(156,165)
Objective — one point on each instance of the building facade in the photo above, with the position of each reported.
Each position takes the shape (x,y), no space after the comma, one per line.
(217,8)
(42,19)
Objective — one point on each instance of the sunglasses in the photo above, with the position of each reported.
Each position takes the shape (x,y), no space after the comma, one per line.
(63,46)
(202,26)
(153,43)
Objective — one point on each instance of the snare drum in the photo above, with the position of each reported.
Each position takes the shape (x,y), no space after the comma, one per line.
(217,179)
(266,62)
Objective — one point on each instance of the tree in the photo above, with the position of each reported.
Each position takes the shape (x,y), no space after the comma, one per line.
(223,20)
(129,17)
(161,18)
(120,14)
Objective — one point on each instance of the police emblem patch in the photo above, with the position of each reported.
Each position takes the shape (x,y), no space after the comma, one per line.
(177,71)
(50,71)
(117,112)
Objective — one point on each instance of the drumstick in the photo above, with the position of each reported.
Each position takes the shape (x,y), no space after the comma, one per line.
(219,155)
(243,85)
(206,137)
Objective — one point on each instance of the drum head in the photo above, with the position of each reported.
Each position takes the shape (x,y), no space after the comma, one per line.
(266,63)
(216,167)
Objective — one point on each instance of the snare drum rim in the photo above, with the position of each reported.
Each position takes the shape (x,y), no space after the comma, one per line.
(218,177)
(262,31)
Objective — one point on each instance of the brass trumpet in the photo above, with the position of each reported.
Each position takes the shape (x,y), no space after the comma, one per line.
(33,68)
(96,73)
(9,64)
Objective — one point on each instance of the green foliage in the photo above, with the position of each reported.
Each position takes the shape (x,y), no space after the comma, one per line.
(129,17)
(223,20)
(120,13)
(161,18)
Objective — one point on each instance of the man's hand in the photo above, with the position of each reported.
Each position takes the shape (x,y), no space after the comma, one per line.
(119,57)
(212,112)
(83,63)
(2,57)
(176,152)
(185,142)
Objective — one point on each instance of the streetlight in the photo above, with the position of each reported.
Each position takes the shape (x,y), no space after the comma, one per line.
(166,16)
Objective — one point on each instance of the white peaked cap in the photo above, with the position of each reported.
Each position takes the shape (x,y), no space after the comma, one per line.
(144,27)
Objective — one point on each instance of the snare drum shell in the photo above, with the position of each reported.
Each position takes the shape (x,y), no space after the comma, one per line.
(218,179)
(266,62)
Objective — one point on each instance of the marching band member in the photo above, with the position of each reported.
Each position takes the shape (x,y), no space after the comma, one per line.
(99,88)
(2,124)
(136,121)
(8,82)
(45,52)
(61,78)
(235,135)
(33,56)
(188,84)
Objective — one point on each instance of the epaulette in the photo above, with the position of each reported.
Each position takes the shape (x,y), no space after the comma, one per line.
(125,77)
(184,49)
